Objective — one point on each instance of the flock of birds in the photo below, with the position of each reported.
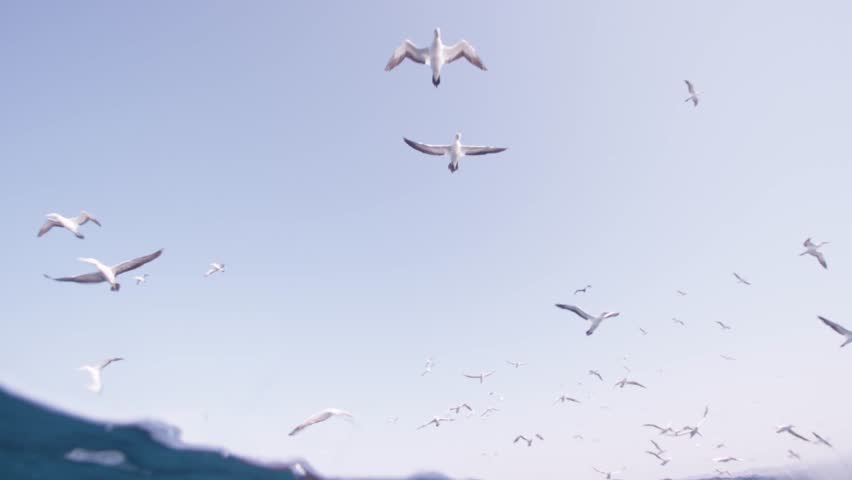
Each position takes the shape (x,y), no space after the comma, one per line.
(436,56)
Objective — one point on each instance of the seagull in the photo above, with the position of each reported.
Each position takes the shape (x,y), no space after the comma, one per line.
(720,446)
(724,327)
(692,431)
(607,475)
(481,376)
(789,429)
(108,274)
(663,461)
(566,398)
(741,279)
(667,430)
(140,279)
(839,329)
(71,224)
(393,420)
(596,321)
(726,459)
(728,358)
(428,368)
(436,55)
(458,408)
(644,332)
(813,249)
(320,417)
(498,395)
(595,373)
(515,364)
(528,440)
(578,437)
(676,320)
(215,268)
(436,421)
(95,373)
(624,382)
(693,95)
(793,455)
(822,441)
(455,150)
(488,411)
(681,293)
(582,290)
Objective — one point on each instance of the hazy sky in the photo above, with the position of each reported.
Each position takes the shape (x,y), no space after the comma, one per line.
(267,136)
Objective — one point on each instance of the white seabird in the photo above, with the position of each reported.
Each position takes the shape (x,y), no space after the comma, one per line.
(481,376)
(607,475)
(515,364)
(678,321)
(727,459)
(566,398)
(596,374)
(693,95)
(436,56)
(428,367)
(847,334)
(813,250)
(215,268)
(595,321)
(70,224)
(95,373)
(436,421)
(790,429)
(529,440)
(793,455)
(822,441)
(663,461)
(488,411)
(455,150)
(723,325)
(320,417)
(582,290)
(107,274)
(741,279)
(624,382)
(458,408)
(140,279)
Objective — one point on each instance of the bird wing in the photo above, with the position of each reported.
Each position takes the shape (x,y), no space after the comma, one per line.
(690,87)
(821,259)
(631,382)
(480,150)
(657,446)
(835,326)
(464,49)
(539,436)
(135,263)
(85,217)
(109,361)
(471,376)
(609,315)
(47,226)
(94,277)
(407,50)
(796,434)
(575,309)
(741,279)
(428,149)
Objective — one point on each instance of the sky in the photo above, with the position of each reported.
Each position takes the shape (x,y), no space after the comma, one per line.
(267,136)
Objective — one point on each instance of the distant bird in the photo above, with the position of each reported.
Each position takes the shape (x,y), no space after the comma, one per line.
(436,55)
(436,421)
(822,441)
(595,321)
(498,395)
(488,411)
(70,224)
(108,274)
(813,250)
(565,399)
(667,430)
(847,334)
(789,429)
(681,293)
(657,448)
(729,358)
(215,268)
(720,446)
(582,290)
(320,417)
(455,150)
(515,364)
(428,367)
(644,332)
(793,455)
(693,95)
(678,321)
(693,430)
(722,324)
(458,408)
(726,459)
(607,475)
(528,440)
(741,279)
(481,376)
(595,373)
(393,420)
(659,456)
(95,373)
(578,437)
(140,279)
(624,382)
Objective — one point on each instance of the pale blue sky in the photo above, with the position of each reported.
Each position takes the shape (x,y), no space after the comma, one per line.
(267,136)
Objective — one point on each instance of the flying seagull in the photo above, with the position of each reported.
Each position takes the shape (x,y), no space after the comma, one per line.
(95,373)
(663,430)
(692,431)
(847,334)
(726,459)
(455,150)
(458,408)
(436,55)
(657,448)
(428,367)
(789,429)
(723,325)
(793,455)
(728,358)
(481,376)
(108,274)
(436,421)
(663,461)
(624,382)
(566,398)
(515,364)
(215,268)
(320,417)
(681,293)
(813,250)
(582,290)
(607,475)
(597,374)
(741,279)
(140,279)
(595,321)
(822,441)
(528,440)
(678,321)
(693,95)
(488,411)
(644,332)
(71,224)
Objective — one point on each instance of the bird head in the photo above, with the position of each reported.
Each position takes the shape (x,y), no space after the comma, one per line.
(458,136)
(437,32)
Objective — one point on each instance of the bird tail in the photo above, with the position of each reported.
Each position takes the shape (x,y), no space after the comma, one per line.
(115,287)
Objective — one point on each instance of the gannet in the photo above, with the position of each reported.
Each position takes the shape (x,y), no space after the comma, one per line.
(436,421)
(71,224)
(95,373)
(436,56)
(582,290)
(528,440)
(813,250)
(693,95)
(108,274)
(215,268)
(789,429)
(847,334)
(320,417)
(455,150)
(741,279)
(481,376)
(595,321)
